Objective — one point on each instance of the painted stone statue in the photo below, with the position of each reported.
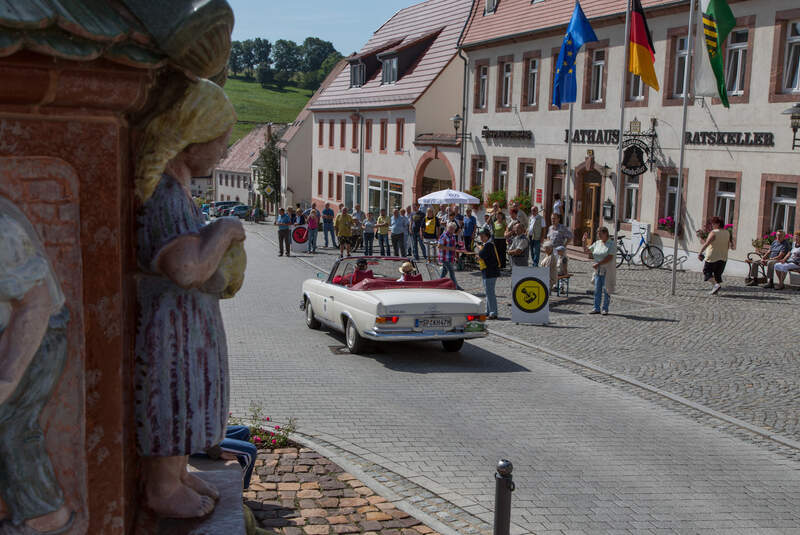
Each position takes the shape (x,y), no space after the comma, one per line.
(184,268)
(33,350)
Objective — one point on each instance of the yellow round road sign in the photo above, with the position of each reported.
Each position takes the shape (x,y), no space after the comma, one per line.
(530,295)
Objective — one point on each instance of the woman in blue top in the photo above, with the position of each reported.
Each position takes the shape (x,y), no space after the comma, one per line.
(470,222)
(603,252)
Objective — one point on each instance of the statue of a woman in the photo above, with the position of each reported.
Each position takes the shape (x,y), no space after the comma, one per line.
(33,350)
(181,361)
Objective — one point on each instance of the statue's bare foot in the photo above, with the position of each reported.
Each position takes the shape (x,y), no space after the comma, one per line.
(51,522)
(199,485)
(183,502)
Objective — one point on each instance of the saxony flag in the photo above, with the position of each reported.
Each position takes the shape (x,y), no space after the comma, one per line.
(643,55)
(713,26)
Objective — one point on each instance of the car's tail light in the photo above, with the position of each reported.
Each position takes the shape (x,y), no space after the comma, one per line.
(387,319)
(482,317)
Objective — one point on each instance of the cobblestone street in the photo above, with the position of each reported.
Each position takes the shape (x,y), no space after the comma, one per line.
(593,454)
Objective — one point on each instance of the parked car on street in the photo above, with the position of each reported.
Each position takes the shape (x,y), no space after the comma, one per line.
(372,305)
(218,206)
(241,211)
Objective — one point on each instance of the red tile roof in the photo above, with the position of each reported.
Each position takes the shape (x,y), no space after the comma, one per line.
(306,111)
(404,28)
(242,154)
(517,18)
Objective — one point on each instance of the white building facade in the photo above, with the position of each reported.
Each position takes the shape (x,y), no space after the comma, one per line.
(739,163)
(382,130)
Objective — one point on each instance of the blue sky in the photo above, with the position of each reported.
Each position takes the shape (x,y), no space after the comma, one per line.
(347,24)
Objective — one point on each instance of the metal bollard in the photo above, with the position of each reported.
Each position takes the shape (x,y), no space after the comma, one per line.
(504,486)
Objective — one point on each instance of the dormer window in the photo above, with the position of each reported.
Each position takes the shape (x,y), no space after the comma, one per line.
(491,5)
(358,73)
(389,70)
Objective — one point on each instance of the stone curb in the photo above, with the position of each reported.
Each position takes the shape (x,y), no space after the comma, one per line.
(785,441)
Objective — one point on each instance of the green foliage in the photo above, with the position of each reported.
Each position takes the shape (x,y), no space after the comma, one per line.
(314,51)
(264,433)
(268,169)
(265,75)
(235,61)
(255,104)
(286,56)
(476,191)
(498,197)
(281,78)
(524,202)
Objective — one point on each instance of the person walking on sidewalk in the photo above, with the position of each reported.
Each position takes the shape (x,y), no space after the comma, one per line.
(369,234)
(327,225)
(284,223)
(535,229)
(603,252)
(489,263)
(343,224)
(448,245)
(312,221)
(382,227)
(718,243)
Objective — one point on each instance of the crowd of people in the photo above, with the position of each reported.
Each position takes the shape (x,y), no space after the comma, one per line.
(497,241)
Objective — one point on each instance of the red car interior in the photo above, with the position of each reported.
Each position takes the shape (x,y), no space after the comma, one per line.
(386,284)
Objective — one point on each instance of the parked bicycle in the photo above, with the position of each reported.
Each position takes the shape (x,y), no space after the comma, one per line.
(651,255)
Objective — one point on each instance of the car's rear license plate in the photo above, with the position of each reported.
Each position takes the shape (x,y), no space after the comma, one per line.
(433,323)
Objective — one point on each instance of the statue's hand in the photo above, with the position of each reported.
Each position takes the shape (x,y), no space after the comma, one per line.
(233,227)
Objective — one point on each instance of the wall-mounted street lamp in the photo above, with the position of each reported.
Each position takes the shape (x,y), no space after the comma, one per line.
(794,113)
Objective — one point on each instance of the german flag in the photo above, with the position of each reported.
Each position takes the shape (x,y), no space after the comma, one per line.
(643,55)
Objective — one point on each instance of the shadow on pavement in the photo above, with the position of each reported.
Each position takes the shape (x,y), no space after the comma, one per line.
(753,296)
(644,318)
(428,357)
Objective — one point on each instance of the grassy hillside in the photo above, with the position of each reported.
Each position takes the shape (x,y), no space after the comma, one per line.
(253,103)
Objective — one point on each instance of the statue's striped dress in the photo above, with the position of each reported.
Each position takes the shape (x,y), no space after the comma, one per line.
(181,363)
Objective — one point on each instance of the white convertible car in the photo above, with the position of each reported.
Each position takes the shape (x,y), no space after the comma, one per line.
(372,305)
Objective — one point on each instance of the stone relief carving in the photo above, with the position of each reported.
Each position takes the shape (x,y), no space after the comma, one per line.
(184,268)
(33,350)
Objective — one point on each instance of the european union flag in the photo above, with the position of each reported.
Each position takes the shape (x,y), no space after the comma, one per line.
(579,31)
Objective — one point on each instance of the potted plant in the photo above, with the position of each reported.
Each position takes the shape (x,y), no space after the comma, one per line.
(524,202)
(476,191)
(498,197)
(666,223)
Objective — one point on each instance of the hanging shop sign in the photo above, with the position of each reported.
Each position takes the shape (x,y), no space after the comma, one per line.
(633,159)
(758,139)
(486,133)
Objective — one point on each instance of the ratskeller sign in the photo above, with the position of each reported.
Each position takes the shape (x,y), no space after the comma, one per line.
(744,139)
(519,134)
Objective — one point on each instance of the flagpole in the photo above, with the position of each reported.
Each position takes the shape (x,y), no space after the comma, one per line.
(622,116)
(568,178)
(683,150)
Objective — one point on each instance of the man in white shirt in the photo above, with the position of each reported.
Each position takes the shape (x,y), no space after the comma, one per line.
(558,205)
(535,229)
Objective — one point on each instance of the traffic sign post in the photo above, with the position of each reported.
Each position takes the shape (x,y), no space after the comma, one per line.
(530,295)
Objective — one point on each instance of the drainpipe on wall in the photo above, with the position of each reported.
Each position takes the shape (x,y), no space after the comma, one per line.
(464,114)
(361,138)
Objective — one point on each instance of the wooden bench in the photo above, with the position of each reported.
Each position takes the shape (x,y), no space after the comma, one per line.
(562,285)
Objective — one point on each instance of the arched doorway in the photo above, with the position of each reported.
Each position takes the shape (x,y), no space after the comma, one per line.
(589,190)
(434,173)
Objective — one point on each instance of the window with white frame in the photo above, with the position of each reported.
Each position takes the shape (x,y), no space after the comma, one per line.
(737,62)
(533,80)
(630,198)
(725,201)
(357,74)
(389,70)
(477,179)
(505,98)
(598,67)
(526,180)
(483,86)
(681,57)
(792,63)
(636,91)
(671,197)
(352,191)
(784,207)
(502,176)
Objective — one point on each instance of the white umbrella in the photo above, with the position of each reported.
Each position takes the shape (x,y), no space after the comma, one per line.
(448,196)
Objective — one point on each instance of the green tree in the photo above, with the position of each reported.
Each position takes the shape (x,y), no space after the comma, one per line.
(330,62)
(264,75)
(314,51)
(286,56)
(235,60)
(269,169)
(248,56)
(281,78)
(262,49)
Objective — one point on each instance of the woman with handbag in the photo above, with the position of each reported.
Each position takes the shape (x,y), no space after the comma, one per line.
(603,252)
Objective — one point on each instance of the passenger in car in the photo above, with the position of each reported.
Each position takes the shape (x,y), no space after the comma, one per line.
(408,273)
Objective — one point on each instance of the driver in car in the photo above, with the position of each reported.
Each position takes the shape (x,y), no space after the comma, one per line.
(361,272)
